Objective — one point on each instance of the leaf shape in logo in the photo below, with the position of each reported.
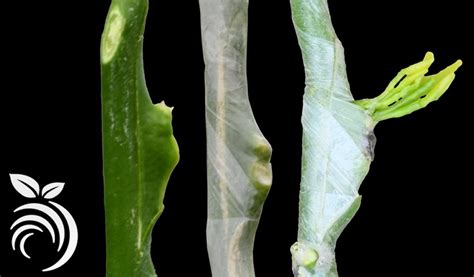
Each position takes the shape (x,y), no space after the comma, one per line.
(52,190)
(25,185)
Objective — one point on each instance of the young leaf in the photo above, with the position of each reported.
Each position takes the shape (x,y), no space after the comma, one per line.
(139,150)
(238,156)
(410,90)
(26,186)
(338,138)
(52,190)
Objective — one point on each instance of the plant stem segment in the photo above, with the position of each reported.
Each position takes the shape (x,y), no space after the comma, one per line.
(338,138)
(238,156)
(337,143)
(139,150)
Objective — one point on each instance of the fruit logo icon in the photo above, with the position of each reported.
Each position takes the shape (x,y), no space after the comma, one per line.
(43,215)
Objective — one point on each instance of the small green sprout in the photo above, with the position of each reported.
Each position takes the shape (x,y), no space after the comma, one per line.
(410,90)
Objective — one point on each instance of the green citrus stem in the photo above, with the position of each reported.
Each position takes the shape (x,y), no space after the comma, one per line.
(139,150)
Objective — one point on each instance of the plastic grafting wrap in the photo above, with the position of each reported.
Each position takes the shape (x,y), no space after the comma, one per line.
(238,156)
(337,143)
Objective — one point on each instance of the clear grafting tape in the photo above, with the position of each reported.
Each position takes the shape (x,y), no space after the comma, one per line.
(337,143)
(238,156)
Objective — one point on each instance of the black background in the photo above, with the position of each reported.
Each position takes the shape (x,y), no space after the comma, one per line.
(417,211)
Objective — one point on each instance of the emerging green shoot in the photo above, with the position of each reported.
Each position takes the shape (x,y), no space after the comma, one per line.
(410,90)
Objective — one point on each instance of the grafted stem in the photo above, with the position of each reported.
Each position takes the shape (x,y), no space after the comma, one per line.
(238,156)
(338,139)
(139,149)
